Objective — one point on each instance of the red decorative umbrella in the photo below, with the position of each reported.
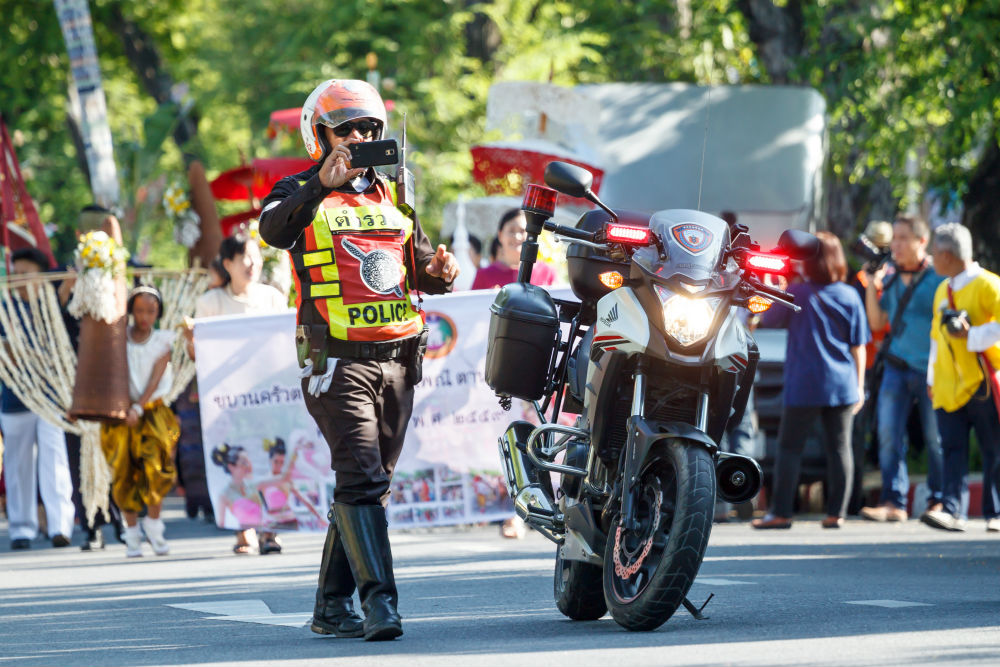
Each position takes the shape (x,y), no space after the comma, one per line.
(283,119)
(255,180)
(506,168)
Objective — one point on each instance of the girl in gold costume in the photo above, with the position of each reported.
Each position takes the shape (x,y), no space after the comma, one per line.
(140,451)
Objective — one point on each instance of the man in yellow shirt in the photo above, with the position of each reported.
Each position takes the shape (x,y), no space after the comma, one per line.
(965,351)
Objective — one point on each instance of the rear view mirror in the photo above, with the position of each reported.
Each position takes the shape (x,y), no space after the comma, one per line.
(798,244)
(568,179)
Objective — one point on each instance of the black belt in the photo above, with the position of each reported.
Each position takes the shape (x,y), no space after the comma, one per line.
(376,351)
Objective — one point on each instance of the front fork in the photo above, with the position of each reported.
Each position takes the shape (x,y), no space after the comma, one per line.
(636,447)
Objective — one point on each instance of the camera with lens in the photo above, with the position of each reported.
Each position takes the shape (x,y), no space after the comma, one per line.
(952,319)
(873,256)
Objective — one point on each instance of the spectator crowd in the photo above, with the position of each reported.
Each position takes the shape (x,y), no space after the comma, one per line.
(934,316)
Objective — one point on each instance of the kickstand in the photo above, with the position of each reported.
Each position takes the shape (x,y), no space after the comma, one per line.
(696,611)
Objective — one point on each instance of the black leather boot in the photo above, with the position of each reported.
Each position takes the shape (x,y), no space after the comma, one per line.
(365,535)
(334,611)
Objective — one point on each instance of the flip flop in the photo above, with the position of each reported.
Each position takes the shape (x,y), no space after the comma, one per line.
(513,529)
(771,522)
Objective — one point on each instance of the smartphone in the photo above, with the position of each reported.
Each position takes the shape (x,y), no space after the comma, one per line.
(373,153)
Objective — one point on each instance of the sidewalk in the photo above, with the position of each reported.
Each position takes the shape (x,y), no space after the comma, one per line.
(179,526)
(916,499)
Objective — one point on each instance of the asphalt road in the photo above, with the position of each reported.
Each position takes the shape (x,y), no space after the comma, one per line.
(865,595)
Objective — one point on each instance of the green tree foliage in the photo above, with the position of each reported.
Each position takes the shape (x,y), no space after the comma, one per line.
(900,77)
(905,79)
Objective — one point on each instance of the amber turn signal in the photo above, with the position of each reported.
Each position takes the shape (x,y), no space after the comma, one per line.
(611,279)
(758,304)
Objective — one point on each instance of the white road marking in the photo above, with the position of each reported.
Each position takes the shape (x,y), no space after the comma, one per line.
(246,611)
(889,604)
(722,582)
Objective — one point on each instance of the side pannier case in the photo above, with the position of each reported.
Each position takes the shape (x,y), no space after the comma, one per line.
(524,326)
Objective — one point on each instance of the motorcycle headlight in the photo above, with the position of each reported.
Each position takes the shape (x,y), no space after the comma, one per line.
(685,319)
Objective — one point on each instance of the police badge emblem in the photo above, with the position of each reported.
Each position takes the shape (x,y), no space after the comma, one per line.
(693,238)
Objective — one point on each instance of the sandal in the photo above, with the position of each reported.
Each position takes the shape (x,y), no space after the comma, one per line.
(771,522)
(513,528)
(269,544)
(243,541)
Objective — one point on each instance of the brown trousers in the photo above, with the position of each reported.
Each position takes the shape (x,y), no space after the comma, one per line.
(363,417)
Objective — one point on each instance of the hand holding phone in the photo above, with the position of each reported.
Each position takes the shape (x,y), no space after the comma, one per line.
(334,171)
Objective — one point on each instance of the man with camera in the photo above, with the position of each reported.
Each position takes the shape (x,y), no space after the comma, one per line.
(961,377)
(359,253)
(905,305)
(872,246)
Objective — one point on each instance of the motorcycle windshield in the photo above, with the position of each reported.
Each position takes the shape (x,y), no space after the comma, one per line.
(693,242)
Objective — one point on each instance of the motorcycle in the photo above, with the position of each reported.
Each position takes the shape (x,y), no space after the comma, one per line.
(656,362)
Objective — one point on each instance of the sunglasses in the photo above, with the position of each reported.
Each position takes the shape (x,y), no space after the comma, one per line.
(366,128)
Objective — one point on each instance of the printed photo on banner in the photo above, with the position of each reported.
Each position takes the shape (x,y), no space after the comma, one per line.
(267,465)
(442,496)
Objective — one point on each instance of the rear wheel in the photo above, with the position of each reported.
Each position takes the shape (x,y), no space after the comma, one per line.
(649,569)
(579,589)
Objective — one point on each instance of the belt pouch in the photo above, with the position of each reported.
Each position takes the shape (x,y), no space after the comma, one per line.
(302,346)
(415,363)
(311,343)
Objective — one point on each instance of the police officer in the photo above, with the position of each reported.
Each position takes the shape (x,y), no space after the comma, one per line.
(357,259)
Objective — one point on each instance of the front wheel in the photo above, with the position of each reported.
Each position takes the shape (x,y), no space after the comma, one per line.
(648,570)
(578,589)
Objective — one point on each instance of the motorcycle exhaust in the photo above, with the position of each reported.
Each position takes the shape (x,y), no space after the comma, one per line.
(531,502)
(739,478)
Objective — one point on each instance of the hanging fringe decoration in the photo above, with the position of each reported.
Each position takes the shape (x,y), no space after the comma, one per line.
(39,365)
(95,473)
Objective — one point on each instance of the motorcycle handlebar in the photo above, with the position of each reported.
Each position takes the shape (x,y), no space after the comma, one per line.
(769,291)
(570,232)
(773,293)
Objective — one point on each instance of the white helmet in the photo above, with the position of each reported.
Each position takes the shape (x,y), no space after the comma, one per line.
(337,101)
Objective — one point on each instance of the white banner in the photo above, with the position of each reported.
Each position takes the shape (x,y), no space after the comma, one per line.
(250,397)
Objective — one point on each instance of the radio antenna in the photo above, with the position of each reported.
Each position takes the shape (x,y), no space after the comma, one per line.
(402,145)
(704,141)
(405,197)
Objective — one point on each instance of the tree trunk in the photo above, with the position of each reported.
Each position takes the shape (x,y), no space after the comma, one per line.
(81,150)
(482,36)
(148,65)
(777,32)
(982,207)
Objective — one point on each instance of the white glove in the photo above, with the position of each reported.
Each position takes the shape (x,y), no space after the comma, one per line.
(318,384)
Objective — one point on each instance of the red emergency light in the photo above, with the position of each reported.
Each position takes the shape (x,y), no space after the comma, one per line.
(626,234)
(759,262)
(539,199)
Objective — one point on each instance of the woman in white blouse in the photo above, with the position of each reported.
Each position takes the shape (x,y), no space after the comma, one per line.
(242,293)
